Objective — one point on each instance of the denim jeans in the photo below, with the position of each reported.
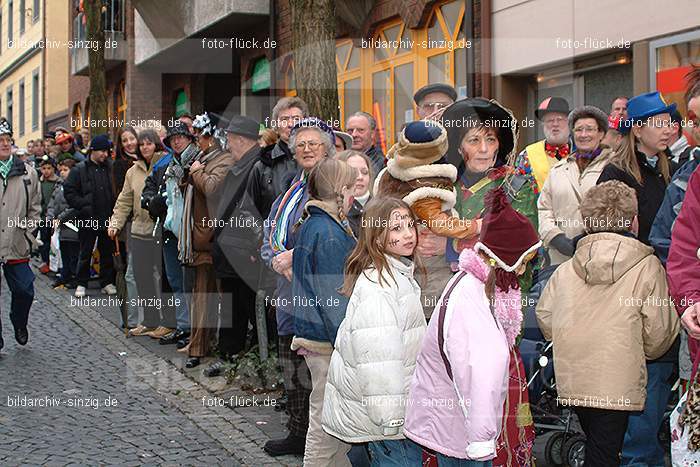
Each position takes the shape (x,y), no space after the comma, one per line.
(446,461)
(20,281)
(173,269)
(641,446)
(398,453)
(134,312)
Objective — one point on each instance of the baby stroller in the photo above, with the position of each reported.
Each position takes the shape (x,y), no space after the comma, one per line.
(565,445)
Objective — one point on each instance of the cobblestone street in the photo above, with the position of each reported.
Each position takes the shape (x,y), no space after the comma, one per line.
(79,393)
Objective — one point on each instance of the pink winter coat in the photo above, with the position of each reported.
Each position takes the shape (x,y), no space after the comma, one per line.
(460,416)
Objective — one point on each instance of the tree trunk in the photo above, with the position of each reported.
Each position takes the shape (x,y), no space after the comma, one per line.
(96,59)
(313,43)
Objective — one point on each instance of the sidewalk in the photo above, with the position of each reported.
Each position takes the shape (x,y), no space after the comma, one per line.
(242,430)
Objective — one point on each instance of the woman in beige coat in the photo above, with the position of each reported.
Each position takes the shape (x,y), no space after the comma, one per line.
(145,251)
(569,179)
(606,312)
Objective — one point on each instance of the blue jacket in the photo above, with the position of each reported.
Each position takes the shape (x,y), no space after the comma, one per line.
(283,294)
(322,247)
(660,234)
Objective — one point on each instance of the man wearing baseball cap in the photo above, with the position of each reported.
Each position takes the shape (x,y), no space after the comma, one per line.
(540,156)
(20,210)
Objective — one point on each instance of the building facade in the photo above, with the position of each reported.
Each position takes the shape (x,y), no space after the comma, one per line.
(21,67)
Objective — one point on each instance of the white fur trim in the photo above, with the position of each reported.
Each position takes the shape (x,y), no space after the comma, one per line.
(377,179)
(481,449)
(421,171)
(481,247)
(449,199)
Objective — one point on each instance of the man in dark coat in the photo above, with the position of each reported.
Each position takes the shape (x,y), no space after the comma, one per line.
(88,189)
(237,237)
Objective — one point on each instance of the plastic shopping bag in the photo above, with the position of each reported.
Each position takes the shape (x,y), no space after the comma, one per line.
(55,263)
(681,456)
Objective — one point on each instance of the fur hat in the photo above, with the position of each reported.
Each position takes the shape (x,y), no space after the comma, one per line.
(5,127)
(177,128)
(589,111)
(420,143)
(506,236)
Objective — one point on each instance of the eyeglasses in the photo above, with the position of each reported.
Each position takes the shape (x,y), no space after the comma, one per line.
(585,129)
(550,120)
(434,105)
(5,139)
(313,145)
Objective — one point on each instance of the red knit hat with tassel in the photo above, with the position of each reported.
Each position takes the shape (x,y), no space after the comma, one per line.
(506,236)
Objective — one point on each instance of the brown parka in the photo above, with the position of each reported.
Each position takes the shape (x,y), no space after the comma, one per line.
(607,310)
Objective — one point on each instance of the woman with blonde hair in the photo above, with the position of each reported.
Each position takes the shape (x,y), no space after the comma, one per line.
(363,185)
(323,244)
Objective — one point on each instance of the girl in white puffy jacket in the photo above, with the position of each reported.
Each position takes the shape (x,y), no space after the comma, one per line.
(378,341)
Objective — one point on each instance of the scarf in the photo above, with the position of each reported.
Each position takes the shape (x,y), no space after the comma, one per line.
(589,155)
(184,241)
(557,152)
(5,167)
(285,210)
(506,305)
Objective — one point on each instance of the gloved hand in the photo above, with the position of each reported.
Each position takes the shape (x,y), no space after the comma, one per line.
(157,207)
(563,244)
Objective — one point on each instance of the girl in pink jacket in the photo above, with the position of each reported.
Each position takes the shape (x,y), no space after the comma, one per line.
(456,399)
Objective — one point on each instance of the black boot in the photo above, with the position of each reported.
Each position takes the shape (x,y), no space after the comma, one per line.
(21,336)
(292,444)
(2,342)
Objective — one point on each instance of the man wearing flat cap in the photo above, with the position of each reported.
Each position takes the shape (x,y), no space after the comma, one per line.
(539,157)
(236,241)
(433,97)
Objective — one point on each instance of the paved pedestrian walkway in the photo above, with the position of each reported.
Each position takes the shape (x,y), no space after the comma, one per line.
(79,393)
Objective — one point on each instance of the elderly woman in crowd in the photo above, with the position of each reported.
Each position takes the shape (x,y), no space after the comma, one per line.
(363,185)
(569,180)
(482,137)
(311,141)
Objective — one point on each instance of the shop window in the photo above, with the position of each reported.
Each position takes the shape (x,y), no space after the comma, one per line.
(671,58)
(381,79)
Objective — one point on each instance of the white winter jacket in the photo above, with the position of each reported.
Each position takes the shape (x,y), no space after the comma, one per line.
(374,358)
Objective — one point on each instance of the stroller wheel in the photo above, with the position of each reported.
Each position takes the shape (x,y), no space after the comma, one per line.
(574,451)
(553,454)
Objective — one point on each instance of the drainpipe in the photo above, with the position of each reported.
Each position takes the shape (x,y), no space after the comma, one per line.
(273,54)
(469,31)
(485,49)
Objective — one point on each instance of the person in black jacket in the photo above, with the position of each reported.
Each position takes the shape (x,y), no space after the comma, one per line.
(270,174)
(642,163)
(237,237)
(89,190)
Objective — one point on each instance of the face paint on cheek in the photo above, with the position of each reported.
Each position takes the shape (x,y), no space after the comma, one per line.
(393,242)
